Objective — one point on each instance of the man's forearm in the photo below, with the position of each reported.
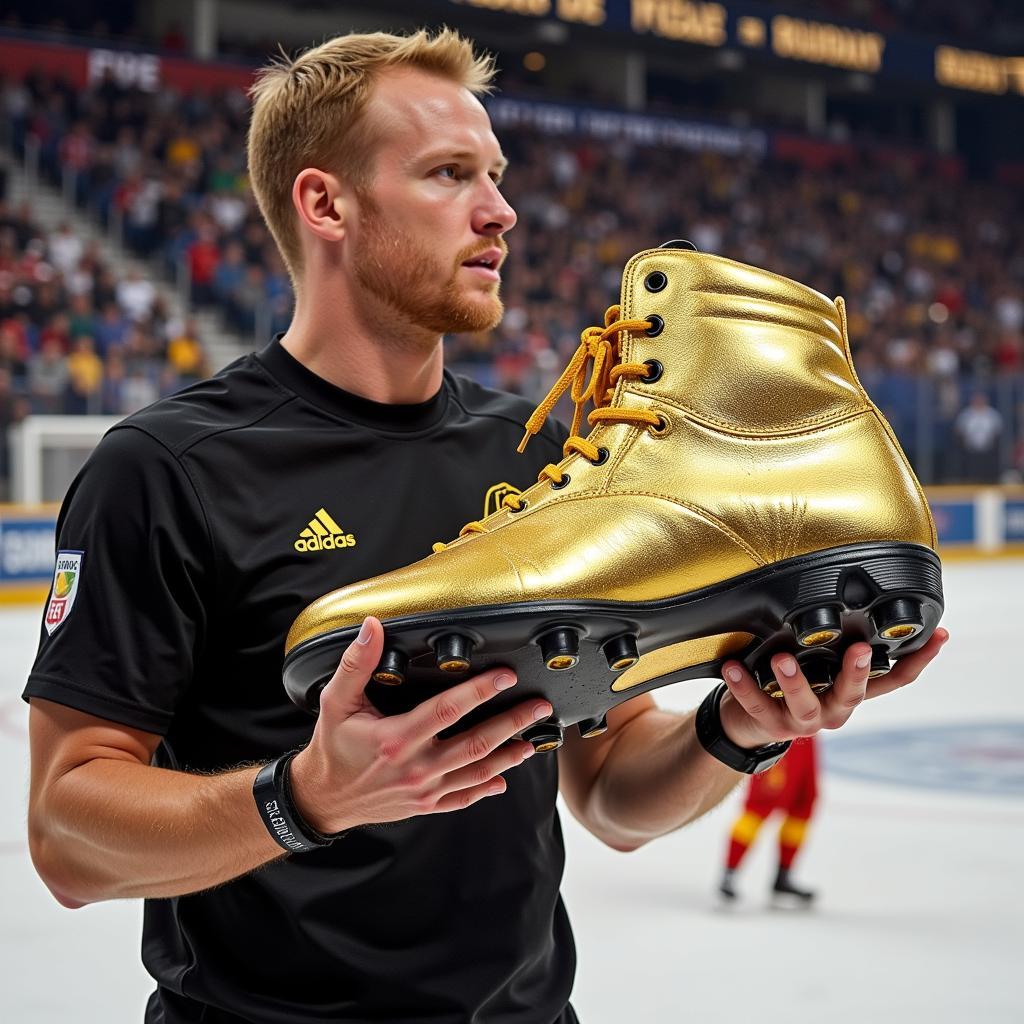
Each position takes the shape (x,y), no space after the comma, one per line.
(109,829)
(656,778)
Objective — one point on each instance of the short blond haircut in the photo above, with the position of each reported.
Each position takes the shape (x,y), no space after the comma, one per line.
(308,112)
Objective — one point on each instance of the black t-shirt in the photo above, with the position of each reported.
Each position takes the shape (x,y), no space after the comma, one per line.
(184,554)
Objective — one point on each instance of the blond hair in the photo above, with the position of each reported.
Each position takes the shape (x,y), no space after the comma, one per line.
(308,112)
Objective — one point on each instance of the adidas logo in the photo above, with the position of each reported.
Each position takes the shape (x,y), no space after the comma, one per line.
(323,534)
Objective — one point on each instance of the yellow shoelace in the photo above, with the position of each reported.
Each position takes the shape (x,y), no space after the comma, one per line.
(601,347)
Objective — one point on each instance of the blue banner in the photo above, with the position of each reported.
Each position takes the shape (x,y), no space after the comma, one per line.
(1013,521)
(26,549)
(618,126)
(955,520)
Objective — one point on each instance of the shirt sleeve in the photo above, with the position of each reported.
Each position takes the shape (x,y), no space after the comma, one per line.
(127,615)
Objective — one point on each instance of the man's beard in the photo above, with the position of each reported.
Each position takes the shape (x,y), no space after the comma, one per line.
(409,278)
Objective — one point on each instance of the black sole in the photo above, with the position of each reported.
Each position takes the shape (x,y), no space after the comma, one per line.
(887,594)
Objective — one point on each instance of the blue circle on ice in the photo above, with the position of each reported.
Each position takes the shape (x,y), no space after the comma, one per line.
(982,759)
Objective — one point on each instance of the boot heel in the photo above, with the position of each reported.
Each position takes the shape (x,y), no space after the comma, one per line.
(888,596)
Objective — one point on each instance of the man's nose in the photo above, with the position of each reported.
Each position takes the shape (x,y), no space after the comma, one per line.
(493,214)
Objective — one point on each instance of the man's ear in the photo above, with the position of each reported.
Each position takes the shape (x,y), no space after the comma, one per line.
(321,203)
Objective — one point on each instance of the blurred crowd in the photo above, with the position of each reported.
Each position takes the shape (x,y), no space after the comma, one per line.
(169,171)
(74,337)
(931,266)
(932,269)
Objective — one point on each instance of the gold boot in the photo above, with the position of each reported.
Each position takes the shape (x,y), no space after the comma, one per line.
(738,495)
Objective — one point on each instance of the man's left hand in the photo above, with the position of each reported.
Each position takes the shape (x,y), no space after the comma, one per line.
(751,718)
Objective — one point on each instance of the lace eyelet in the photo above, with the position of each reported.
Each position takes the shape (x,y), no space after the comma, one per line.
(657,325)
(654,371)
(655,281)
(663,427)
(602,457)
(565,479)
(518,508)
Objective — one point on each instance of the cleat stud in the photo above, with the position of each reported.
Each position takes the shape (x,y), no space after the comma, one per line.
(765,676)
(453,653)
(621,652)
(879,661)
(560,649)
(391,669)
(899,619)
(819,673)
(544,736)
(817,627)
(591,727)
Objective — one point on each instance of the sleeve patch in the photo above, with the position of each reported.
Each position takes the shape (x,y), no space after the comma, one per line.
(66,577)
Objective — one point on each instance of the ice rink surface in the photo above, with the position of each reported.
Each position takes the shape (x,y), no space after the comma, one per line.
(917,851)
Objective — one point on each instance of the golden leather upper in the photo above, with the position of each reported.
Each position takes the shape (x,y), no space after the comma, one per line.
(751,352)
(771,449)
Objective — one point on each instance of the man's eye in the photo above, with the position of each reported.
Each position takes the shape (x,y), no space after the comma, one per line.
(453,169)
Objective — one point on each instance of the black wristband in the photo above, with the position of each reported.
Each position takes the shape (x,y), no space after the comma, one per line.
(712,738)
(273,794)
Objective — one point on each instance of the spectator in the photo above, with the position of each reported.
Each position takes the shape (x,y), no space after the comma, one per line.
(48,378)
(138,390)
(12,356)
(228,210)
(136,295)
(203,257)
(141,224)
(112,328)
(13,409)
(248,298)
(81,318)
(85,375)
(979,428)
(65,249)
(112,388)
(185,354)
(230,274)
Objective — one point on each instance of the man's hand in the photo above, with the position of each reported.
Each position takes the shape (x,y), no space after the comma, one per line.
(751,718)
(362,767)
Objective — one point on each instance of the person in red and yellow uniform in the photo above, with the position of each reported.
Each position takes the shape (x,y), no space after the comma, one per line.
(790,786)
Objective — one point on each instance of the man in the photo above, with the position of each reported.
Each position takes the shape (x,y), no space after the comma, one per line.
(978,428)
(203,525)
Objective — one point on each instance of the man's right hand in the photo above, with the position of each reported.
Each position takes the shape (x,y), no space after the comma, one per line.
(363,767)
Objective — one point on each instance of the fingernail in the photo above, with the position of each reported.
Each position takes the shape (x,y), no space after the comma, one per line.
(542,711)
(733,674)
(364,633)
(787,667)
(529,753)
(863,661)
(504,681)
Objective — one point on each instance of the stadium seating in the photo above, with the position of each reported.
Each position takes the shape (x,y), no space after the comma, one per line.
(928,261)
